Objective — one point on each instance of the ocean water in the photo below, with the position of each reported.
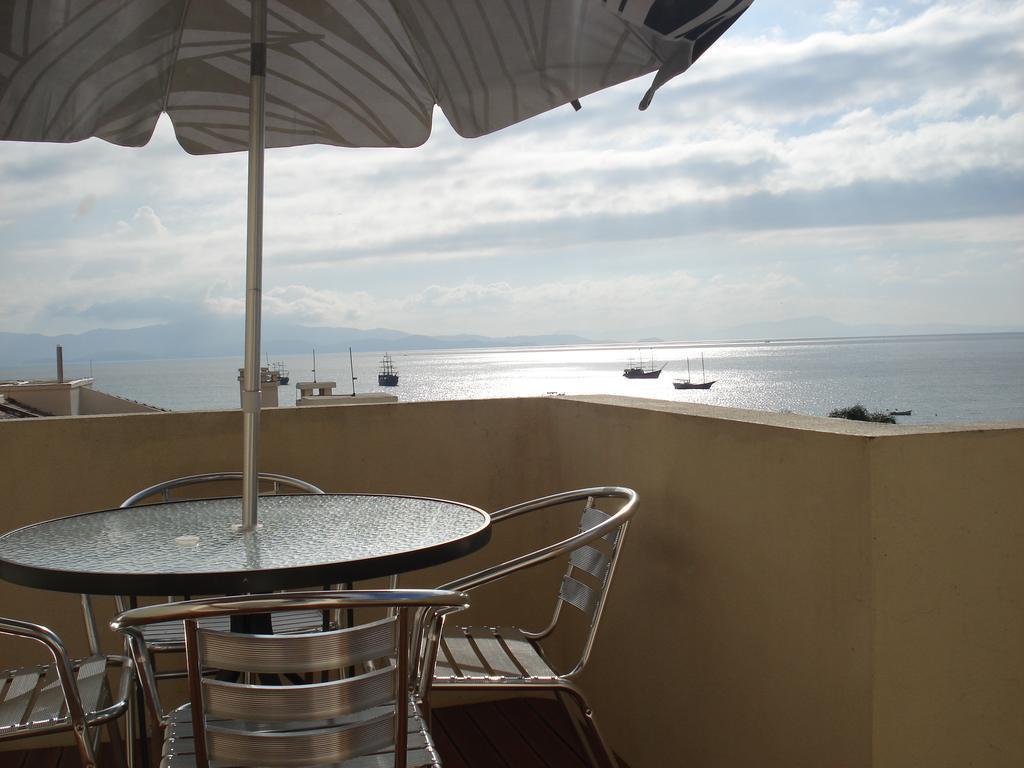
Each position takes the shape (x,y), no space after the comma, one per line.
(947,378)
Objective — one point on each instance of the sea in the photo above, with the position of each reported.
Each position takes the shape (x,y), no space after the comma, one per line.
(939,378)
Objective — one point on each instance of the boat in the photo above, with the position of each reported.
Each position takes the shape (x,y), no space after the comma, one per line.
(688,383)
(279,372)
(638,370)
(275,372)
(387,376)
(272,375)
(900,413)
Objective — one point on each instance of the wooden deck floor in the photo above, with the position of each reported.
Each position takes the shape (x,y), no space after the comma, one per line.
(516,733)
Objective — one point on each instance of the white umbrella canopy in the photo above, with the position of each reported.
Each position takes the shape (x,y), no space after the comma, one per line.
(238,75)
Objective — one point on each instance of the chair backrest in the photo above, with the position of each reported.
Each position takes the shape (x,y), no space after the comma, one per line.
(301,723)
(591,566)
(279,483)
(592,553)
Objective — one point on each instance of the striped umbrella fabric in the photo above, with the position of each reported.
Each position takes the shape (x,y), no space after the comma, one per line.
(351,73)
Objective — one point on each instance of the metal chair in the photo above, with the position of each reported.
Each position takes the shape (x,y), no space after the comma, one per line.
(372,718)
(509,658)
(169,638)
(67,695)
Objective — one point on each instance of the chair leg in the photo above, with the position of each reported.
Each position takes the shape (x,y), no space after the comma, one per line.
(130,745)
(116,745)
(86,751)
(608,757)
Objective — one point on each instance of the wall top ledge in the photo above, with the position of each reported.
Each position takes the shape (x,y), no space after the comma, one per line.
(792,420)
(697,410)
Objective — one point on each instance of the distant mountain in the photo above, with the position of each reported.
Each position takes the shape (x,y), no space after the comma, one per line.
(825,327)
(213,336)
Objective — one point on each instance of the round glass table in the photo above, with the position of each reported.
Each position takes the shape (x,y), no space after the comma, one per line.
(194,547)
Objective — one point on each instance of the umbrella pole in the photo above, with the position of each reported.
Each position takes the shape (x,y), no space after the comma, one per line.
(251,396)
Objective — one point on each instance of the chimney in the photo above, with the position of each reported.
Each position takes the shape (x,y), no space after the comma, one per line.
(60,364)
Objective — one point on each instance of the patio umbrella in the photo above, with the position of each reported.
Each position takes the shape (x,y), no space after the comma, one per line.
(238,75)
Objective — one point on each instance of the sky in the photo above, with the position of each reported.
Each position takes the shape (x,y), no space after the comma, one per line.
(855,160)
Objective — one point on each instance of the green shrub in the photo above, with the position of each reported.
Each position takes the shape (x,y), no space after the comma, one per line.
(860,413)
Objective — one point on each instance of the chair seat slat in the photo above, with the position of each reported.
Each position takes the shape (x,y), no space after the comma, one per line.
(49,703)
(511,656)
(462,659)
(493,652)
(526,653)
(92,681)
(19,696)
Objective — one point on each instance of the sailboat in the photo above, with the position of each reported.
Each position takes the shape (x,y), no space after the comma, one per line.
(687,383)
(638,370)
(387,376)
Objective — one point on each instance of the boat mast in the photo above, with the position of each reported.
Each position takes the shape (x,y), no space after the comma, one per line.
(703,375)
(314,365)
(352,371)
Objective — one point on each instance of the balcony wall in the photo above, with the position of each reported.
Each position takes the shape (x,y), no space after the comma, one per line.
(794,591)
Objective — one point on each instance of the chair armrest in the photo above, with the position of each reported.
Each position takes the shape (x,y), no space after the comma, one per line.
(552,551)
(61,660)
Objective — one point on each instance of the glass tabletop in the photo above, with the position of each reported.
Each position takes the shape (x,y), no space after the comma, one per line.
(194,546)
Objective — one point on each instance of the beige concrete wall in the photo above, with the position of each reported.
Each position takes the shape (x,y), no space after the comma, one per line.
(56,400)
(92,402)
(794,591)
(744,593)
(948,526)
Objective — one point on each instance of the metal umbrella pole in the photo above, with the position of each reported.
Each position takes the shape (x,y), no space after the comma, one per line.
(251,395)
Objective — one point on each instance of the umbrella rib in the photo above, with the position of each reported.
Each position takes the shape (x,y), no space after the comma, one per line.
(513,86)
(437,27)
(414,22)
(531,44)
(325,130)
(576,51)
(368,116)
(407,101)
(381,131)
(177,47)
(26,40)
(486,92)
(109,85)
(566,90)
(416,67)
(625,35)
(328,129)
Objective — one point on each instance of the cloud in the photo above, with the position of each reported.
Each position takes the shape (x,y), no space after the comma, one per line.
(889,140)
(145,223)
